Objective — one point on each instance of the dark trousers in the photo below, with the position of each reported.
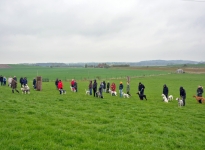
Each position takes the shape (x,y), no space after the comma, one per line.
(183,99)
(94,92)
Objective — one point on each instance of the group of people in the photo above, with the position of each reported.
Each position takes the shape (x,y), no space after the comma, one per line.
(182,92)
(12,82)
(74,85)
(23,81)
(2,80)
(59,85)
(103,87)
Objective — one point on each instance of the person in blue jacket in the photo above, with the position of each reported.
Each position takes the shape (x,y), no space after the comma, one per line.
(121,88)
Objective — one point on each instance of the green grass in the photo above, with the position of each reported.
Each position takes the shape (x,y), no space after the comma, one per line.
(46,120)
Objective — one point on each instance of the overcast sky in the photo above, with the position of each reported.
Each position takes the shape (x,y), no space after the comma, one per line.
(66,31)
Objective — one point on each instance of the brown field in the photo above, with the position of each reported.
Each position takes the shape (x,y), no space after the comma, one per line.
(171,69)
(4,66)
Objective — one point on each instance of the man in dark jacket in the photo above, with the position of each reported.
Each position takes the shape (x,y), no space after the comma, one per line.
(56,83)
(141,88)
(1,79)
(200,92)
(108,86)
(182,94)
(94,87)
(34,83)
(25,81)
(165,90)
(21,81)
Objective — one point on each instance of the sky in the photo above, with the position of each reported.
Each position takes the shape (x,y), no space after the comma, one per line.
(68,31)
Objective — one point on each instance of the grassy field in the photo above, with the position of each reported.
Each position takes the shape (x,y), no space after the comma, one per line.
(77,73)
(75,121)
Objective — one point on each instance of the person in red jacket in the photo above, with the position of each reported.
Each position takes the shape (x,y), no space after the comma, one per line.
(113,87)
(72,84)
(60,86)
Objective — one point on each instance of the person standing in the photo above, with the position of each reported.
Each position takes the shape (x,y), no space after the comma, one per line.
(121,88)
(94,87)
(199,92)
(113,87)
(21,81)
(165,90)
(182,94)
(34,83)
(4,80)
(101,89)
(90,87)
(72,84)
(1,79)
(60,86)
(75,86)
(141,88)
(56,83)
(9,81)
(25,82)
(14,85)
(108,86)
(104,86)
(128,88)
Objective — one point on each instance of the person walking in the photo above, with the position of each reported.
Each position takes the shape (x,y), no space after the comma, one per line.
(182,94)
(165,90)
(90,87)
(94,87)
(121,88)
(141,88)
(14,85)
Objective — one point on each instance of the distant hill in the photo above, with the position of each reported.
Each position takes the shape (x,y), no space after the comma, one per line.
(163,62)
(141,63)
